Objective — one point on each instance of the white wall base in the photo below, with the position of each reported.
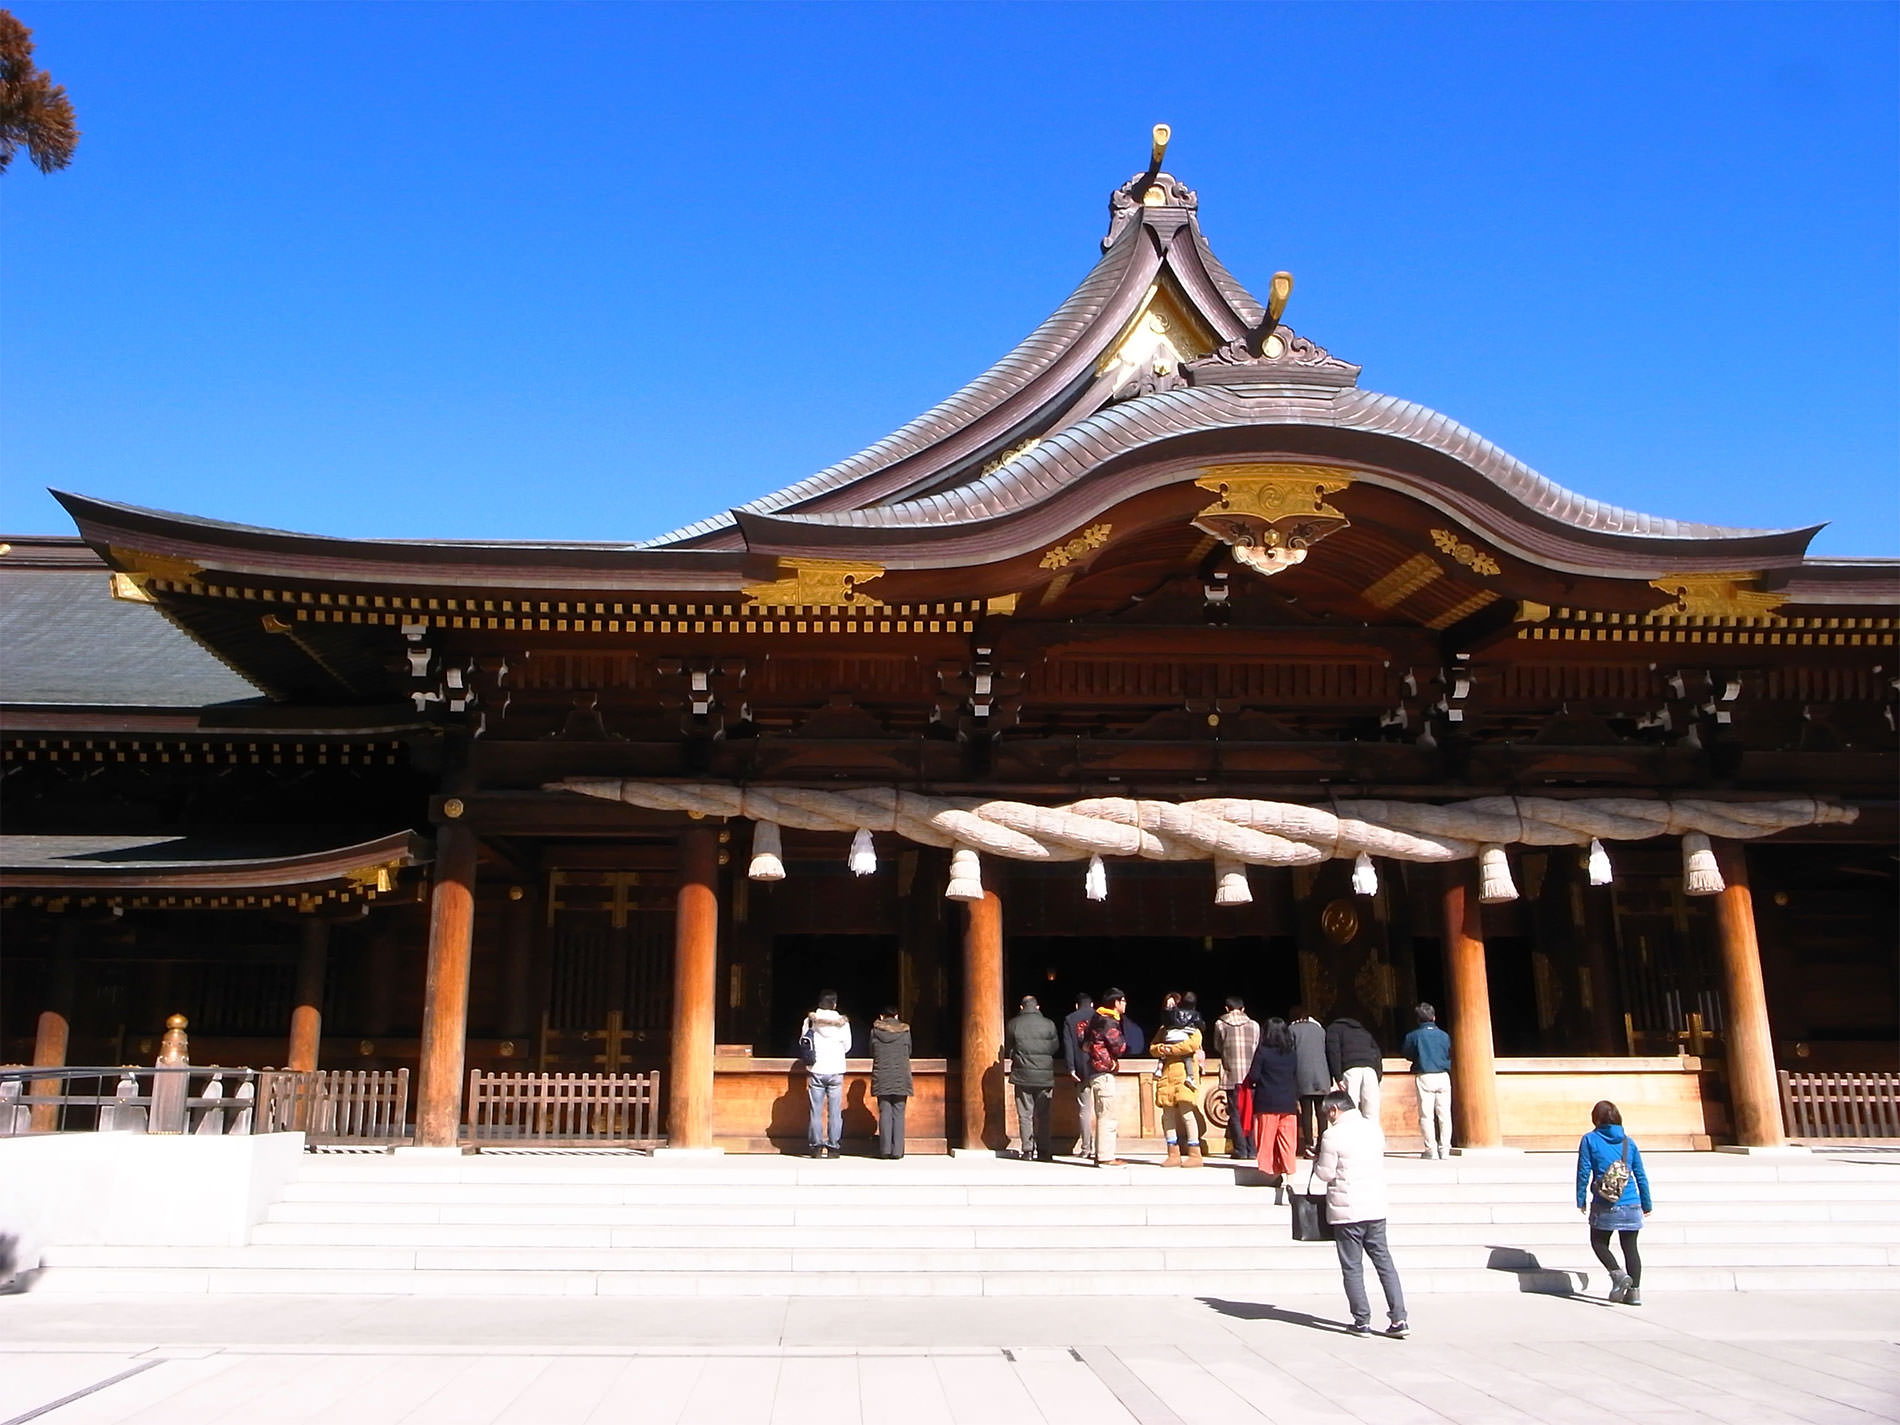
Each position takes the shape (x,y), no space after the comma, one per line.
(1780,1150)
(689,1154)
(426,1155)
(138,1189)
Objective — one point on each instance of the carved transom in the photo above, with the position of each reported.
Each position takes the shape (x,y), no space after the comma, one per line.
(1271,515)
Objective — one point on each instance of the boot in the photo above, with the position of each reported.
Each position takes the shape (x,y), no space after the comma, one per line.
(1173,1160)
(1194,1158)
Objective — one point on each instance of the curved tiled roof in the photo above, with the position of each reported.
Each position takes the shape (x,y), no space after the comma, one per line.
(1035,354)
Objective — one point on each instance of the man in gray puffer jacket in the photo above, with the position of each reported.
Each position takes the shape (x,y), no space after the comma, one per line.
(1030,1043)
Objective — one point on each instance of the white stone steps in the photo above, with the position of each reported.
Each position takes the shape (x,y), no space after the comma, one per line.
(941,1235)
(1225,1285)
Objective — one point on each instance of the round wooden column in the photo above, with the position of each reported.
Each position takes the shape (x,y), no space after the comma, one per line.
(52,1034)
(689,1101)
(1474,1065)
(306,1015)
(445,996)
(984,1125)
(1754,1091)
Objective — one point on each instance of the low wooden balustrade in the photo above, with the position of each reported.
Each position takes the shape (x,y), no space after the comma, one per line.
(563,1110)
(164,1099)
(1841,1105)
(336,1106)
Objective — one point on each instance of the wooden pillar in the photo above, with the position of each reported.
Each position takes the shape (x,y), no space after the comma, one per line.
(689,1101)
(1474,1068)
(306,1015)
(53,1033)
(984,1124)
(1754,1092)
(445,992)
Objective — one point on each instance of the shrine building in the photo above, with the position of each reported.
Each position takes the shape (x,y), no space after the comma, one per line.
(1165,654)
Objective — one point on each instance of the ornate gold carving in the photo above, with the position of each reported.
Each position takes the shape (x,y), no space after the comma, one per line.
(1164,334)
(830,583)
(130,588)
(1015,452)
(1271,515)
(1404,581)
(158,566)
(1469,555)
(1089,540)
(1717,595)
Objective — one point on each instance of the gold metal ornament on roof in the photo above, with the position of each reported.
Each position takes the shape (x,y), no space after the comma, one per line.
(1085,543)
(1469,555)
(1270,515)
(819,583)
(1718,595)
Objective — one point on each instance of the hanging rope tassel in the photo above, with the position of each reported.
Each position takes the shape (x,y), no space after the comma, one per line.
(863,854)
(1599,864)
(1700,875)
(1365,876)
(1095,883)
(1230,884)
(768,853)
(966,876)
(1495,886)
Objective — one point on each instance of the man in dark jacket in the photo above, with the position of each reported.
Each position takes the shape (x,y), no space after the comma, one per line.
(1353,1056)
(1429,1049)
(1029,1043)
(1311,1076)
(1072,1056)
(890,1080)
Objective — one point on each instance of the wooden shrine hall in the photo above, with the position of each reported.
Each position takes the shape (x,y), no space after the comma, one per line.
(1164,654)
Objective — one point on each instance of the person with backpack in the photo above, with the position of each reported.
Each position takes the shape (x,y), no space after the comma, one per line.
(1102,1050)
(890,1080)
(824,1042)
(1177,1086)
(1029,1043)
(1613,1194)
(1072,1028)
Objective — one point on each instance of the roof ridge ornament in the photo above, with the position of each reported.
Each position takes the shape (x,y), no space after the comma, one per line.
(1150,188)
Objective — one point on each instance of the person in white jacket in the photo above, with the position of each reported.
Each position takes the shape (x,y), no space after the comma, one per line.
(1351,1162)
(830,1035)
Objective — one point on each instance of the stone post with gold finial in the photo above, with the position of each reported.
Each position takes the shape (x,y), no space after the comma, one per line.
(171,1085)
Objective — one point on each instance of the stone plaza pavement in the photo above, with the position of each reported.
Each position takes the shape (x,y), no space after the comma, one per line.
(1731,1357)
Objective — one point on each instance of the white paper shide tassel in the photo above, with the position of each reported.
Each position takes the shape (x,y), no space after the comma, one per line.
(1365,878)
(1495,886)
(1095,883)
(966,876)
(768,853)
(1599,864)
(1230,884)
(1700,875)
(863,854)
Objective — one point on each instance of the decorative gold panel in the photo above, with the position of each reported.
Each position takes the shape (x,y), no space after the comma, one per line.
(1273,492)
(163,566)
(820,582)
(1707,594)
(1090,539)
(1469,555)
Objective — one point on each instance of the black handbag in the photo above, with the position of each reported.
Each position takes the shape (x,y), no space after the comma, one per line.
(1310,1223)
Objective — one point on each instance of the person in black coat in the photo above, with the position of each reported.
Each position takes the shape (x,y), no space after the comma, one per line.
(1274,1077)
(1355,1060)
(1072,1056)
(890,1080)
(1030,1042)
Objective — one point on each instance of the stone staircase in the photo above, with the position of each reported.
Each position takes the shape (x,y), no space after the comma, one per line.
(585,1224)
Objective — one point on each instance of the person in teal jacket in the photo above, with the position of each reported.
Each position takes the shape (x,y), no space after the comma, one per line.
(1607,1150)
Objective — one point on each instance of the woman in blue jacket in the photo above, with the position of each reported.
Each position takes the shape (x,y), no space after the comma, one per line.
(1613,1192)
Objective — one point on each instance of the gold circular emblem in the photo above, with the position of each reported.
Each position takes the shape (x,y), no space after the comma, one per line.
(453,807)
(1340,921)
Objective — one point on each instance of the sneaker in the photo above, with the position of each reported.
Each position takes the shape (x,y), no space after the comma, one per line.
(1632,1297)
(1361,1328)
(1619,1288)
(1399,1330)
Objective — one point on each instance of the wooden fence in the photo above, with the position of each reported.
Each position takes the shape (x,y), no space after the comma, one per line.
(1841,1105)
(563,1110)
(336,1106)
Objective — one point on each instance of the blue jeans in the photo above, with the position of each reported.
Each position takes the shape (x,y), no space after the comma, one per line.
(1355,1241)
(825,1089)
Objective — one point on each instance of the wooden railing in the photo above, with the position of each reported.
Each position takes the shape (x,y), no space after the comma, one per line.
(1841,1105)
(563,1110)
(336,1106)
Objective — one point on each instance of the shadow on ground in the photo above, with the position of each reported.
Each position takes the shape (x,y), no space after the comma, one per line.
(1533,1276)
(1265,1311)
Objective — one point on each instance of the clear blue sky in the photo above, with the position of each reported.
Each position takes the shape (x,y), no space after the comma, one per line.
(589,271)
